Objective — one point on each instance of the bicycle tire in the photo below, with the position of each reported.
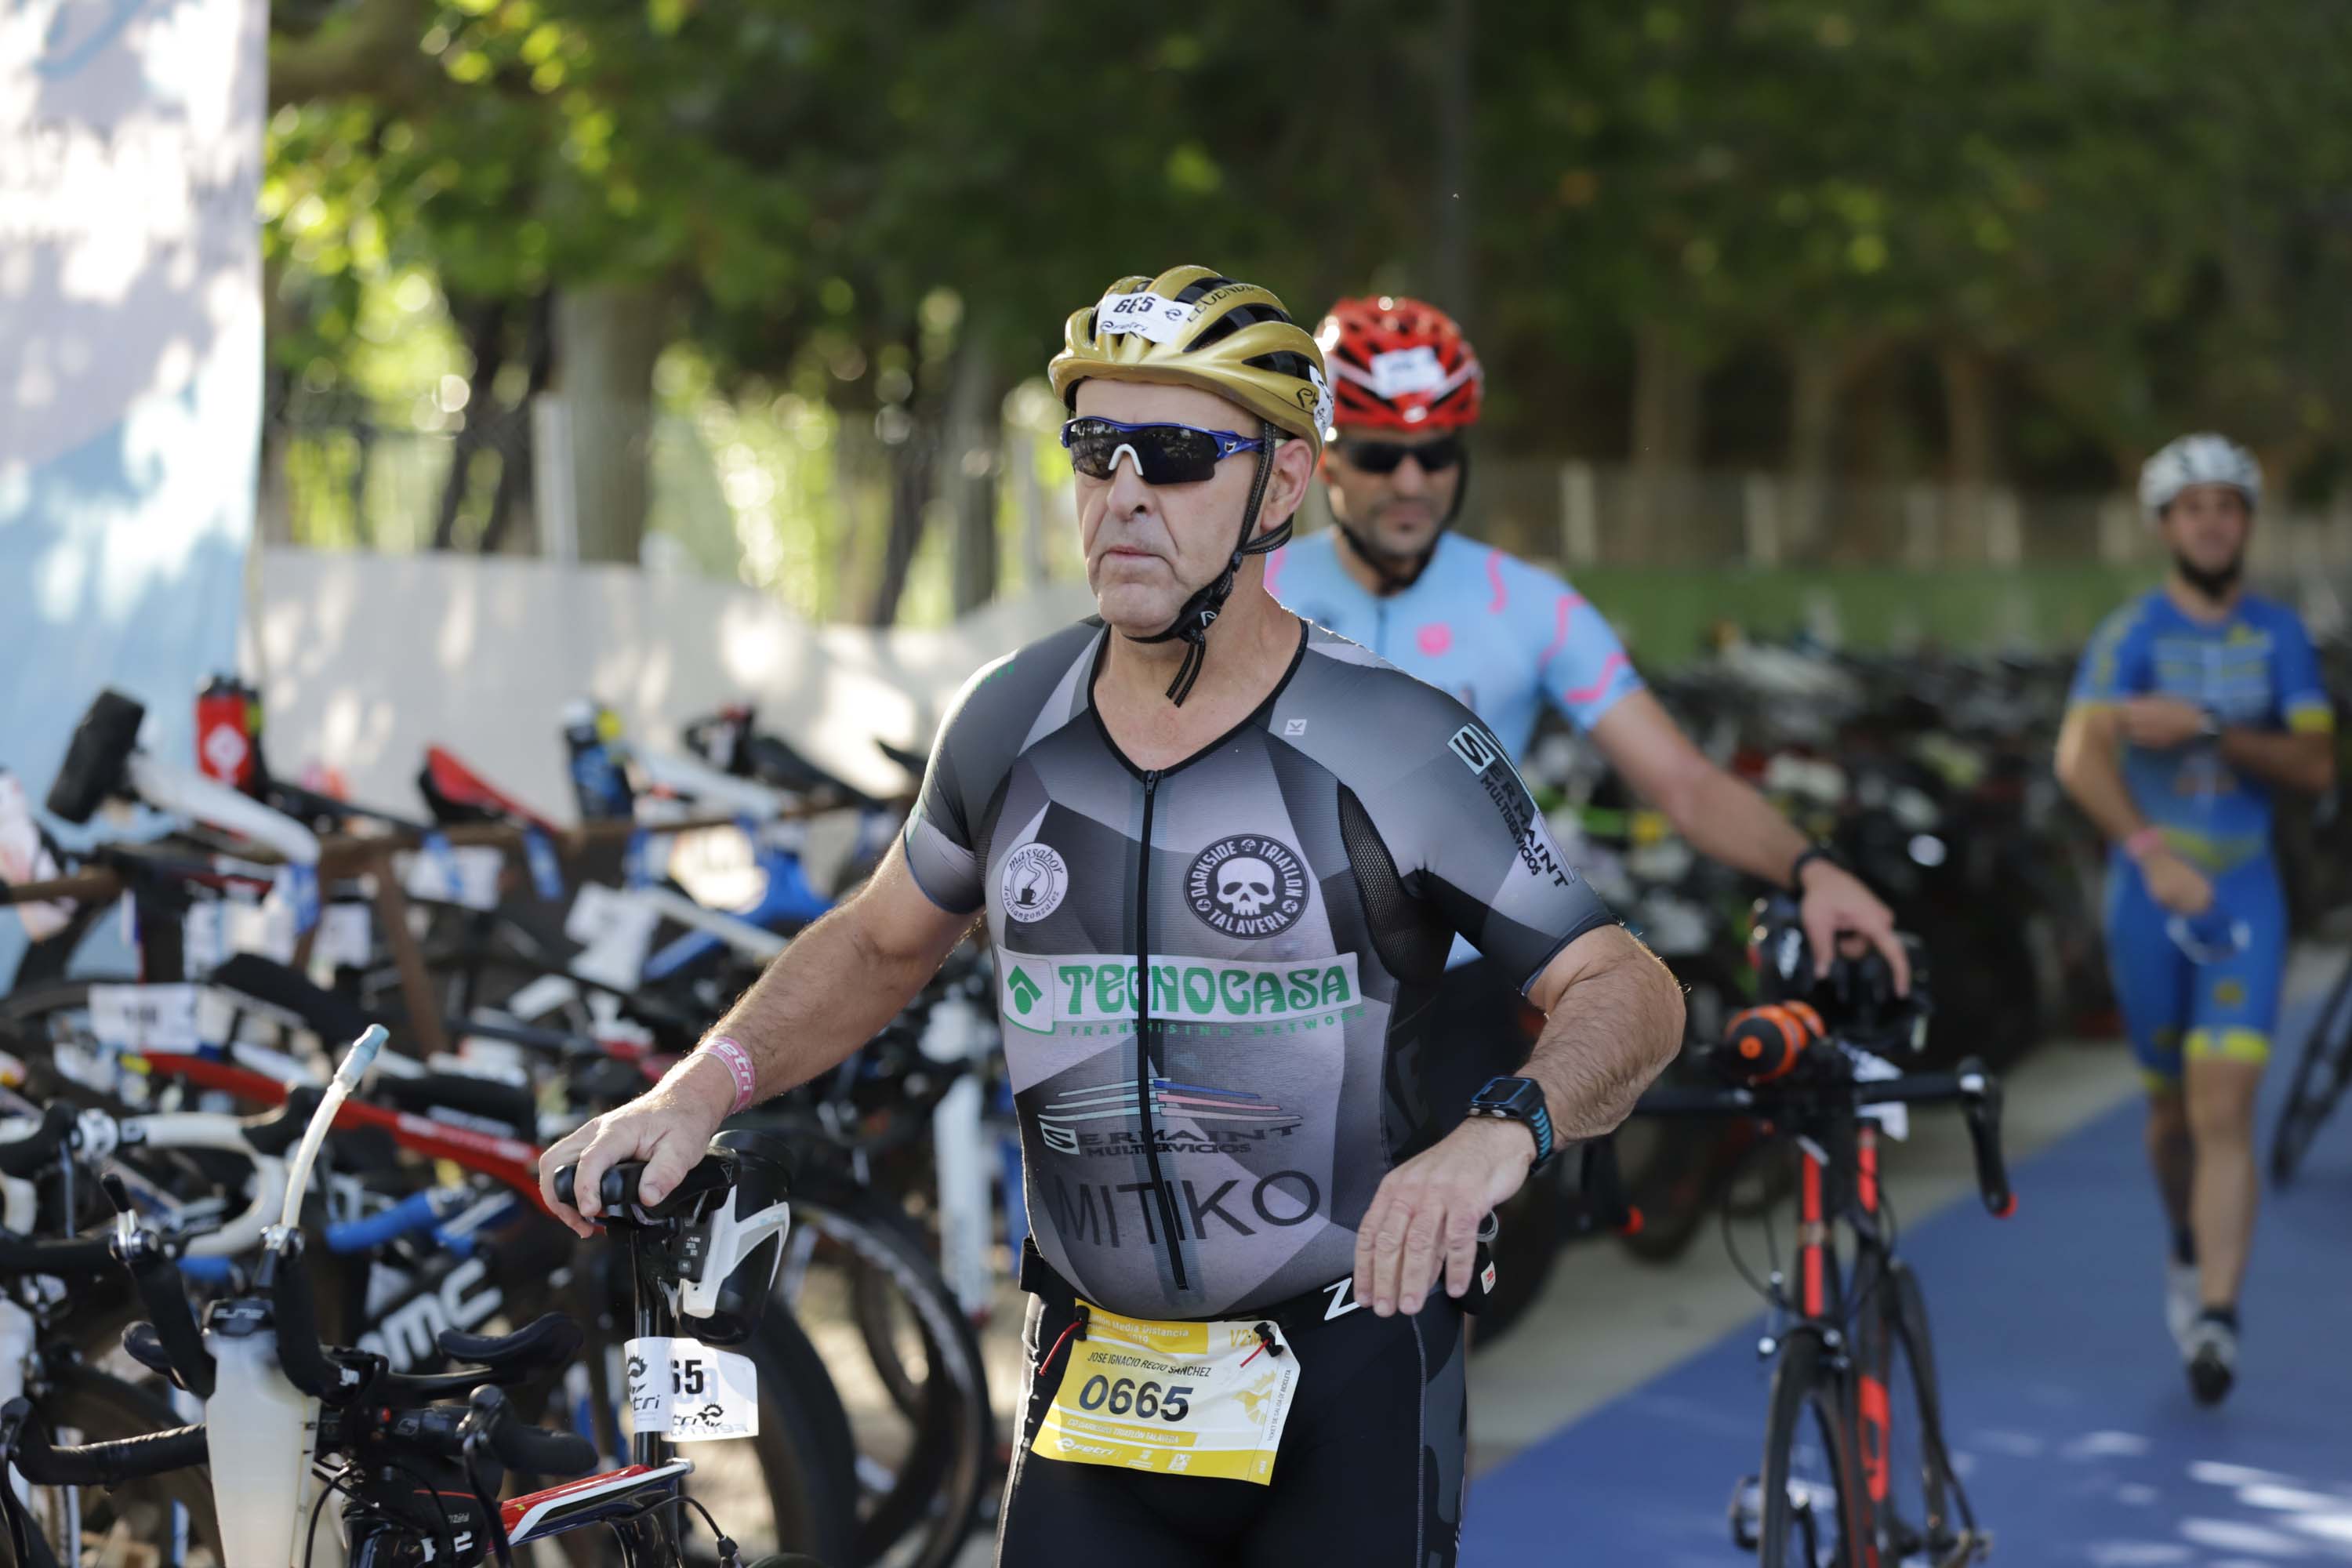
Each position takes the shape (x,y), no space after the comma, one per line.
(935,1490)
(805,1453)
(1805,1385)
(872,1305)
(103,1409)
(2323,1069)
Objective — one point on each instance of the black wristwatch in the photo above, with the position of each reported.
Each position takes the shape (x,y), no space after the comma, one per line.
(1520,1099)
(1805,857)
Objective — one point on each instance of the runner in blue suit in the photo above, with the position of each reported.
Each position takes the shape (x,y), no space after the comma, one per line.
(2194,702)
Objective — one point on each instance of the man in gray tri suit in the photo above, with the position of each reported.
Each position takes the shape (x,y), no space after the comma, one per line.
(1222,892)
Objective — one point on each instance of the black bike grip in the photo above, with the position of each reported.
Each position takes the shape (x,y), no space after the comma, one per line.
(23,1156)
(305,1361)
(1981,1109)
(75,1255)
(533,1450)
(105,1464)
(165,1297)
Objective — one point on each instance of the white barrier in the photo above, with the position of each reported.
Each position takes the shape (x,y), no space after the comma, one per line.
(363,660)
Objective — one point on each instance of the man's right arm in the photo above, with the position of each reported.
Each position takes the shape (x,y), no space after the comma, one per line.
(823,998)
(2088,743)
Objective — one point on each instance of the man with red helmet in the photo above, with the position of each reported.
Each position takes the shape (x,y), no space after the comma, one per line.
(1502,636)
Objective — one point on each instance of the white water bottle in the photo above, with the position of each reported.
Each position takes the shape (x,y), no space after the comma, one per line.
(260,1432)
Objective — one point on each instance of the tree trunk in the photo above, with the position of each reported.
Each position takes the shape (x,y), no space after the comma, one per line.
(516,458)
(975,428)
(1665,443)
(1969,439)
(607,337)
(912,464)
(485,326)
(1816,375)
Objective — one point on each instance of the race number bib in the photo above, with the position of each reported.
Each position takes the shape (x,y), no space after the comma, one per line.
(1183,1399)
(691,1393)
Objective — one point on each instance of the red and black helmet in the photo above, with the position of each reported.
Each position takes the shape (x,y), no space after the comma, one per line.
(1399,364)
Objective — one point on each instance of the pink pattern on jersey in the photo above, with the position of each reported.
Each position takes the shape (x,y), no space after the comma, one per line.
(1569,604)
(1581,695)
(1435,638)
(1495,577)
(1273,567)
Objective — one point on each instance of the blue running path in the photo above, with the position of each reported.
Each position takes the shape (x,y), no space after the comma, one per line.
(2065,1403)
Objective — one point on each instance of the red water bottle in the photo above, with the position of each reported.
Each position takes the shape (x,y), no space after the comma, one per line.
(229,733)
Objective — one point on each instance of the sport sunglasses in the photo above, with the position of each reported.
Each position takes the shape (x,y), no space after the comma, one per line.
(1164,454)
(1386,456)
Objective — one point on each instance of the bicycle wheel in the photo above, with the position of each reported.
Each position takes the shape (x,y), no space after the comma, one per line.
(924,1483)
(1917,1505)
(1809,1512)
(83,1405)
(2321,1074)
(794,1486)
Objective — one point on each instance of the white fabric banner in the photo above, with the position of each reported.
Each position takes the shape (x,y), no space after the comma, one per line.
(131,150)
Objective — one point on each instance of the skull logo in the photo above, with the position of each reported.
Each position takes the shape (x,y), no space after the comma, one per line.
(1246,886)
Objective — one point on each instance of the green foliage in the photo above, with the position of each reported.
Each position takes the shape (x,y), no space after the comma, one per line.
(2139,210)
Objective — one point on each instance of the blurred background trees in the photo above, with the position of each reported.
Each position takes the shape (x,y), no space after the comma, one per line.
(794,257)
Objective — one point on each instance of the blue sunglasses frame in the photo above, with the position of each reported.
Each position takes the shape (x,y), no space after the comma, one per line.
(1228,443)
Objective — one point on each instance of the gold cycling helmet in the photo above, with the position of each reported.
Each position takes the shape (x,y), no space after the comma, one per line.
(1194,327)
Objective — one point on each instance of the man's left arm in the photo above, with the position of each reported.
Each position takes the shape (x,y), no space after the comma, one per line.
(1613,1019)
(2300,754)
(1726,819)
(2292,759)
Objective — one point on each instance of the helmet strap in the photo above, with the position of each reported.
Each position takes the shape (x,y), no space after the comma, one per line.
(1200,611)
(1396,578)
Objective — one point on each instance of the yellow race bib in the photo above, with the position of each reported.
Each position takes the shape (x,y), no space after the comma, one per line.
(1183,1399)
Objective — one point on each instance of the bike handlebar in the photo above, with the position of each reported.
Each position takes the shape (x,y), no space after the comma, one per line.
(23,1156)
(1976,1090)
(98,1464)
(518,1445)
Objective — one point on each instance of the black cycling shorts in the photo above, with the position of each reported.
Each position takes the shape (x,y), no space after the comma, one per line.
(1370,1470)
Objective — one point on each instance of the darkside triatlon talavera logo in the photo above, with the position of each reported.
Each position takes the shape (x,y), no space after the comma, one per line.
(1247,886)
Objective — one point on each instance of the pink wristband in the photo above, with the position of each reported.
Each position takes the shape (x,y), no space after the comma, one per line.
(2138,845)
(738,1062)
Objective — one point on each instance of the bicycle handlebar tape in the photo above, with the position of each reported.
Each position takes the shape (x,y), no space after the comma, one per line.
(1982,1114)
(166,1300)
(66,1258)
(95,758)
(533,1450)
(307,1364)
(23,1156)
(98,1464)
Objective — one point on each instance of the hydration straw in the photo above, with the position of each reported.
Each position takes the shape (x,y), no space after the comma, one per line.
(354,1065)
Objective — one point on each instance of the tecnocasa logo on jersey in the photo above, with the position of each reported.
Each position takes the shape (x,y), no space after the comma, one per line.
(1084,992)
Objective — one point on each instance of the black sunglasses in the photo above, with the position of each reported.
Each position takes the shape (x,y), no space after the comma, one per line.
(1164,454)
(1386,456)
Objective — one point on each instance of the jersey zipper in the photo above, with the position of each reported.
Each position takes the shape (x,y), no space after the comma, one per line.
(1143,1035)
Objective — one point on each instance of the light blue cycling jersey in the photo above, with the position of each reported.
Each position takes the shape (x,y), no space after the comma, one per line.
(1499,635)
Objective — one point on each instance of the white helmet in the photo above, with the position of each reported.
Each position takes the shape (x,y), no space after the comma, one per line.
(2206,459)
